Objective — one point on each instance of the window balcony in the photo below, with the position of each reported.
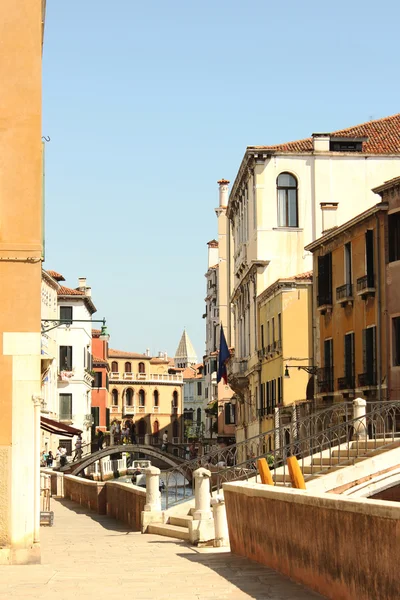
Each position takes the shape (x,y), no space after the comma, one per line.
(114,409)
(344,294)
(156,409)
(325,380)
(128,376)
(129,409)
(366,286)
(346,383)
(141,409)
(324,303)
(367,379)
(114,375)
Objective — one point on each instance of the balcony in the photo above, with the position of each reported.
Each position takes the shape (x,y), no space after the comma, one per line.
(129,409)
(156,409)
(366,286)
(237,369)
(367,379)
(324,303)
(325,380)
(346,382)
(344,294)
(141,409)
(114,409)
(165,377)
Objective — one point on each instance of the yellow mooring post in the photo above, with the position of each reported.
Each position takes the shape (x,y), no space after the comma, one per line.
(296,476)
(264,471)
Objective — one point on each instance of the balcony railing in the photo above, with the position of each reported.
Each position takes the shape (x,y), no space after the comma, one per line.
(325,380)
(114,409)
(324,300)
(344,292)
(346,382)
(141,409)
(239,366)
(129,409)
(156,409)
(366,285)
(65,417)
(366,379)
(240,257)
(166,377)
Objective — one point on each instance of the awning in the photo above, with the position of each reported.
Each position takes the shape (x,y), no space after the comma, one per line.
(58,428)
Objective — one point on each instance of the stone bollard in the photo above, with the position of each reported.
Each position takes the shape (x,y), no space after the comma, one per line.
(360,426)
(202,494)
(147,439)
(153,496)
(221,535)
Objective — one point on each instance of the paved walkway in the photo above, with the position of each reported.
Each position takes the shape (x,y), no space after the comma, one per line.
(89,556)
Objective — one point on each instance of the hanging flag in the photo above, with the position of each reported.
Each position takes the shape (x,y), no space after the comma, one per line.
(223,356)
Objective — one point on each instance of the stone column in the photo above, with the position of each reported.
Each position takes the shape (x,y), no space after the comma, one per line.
(153,496)
(220,523)
(147,439)
(202,494)
(360,426)
(37,401)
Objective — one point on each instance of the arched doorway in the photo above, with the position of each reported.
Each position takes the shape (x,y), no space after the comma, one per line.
(156,431)
(141,429)
(175,430)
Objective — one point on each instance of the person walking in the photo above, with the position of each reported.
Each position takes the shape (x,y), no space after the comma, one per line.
(50,459)
(63,456)
(164,441)
(100,439)
(78,447)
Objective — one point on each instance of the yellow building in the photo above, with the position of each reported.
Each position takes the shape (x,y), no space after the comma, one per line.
(21,212)
(147,391)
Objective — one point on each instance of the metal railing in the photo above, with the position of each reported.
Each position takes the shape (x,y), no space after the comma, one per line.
(325,380)
(368,378)
(323,440)
(365,282)
(346,383)
(344,291)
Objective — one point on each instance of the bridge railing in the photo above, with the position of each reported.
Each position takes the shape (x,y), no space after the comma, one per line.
(309,436)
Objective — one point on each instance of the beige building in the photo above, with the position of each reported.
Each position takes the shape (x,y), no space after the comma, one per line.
(21,251)
(284,197)
(147,391)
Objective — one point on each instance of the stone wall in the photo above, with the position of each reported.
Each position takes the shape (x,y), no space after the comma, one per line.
(340,547)
(126,502)
(91,494)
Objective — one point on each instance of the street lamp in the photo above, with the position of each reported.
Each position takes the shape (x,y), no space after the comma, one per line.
(310,369)
(104,335)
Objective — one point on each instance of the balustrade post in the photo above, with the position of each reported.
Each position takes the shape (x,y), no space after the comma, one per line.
(202,494)
(153,495)
(220,522)
(360,426)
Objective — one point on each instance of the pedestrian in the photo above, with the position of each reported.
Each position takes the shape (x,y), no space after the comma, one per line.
(117,432)
(100,439)
(63,456)
(78,447)
(50,459)
(138,471)
(133,433)
(164,441)
(43,459)
(112,433)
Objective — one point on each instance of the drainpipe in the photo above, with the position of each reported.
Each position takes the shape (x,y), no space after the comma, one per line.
(379,320)
(37,400)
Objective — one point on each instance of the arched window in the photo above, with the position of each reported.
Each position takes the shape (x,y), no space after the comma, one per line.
(286,186)
(129,397)
(175,429)
(114,366)
(128,367)
(198,416)
(114,395)
(175,399)
(142,398)
(142,367)
(155,398)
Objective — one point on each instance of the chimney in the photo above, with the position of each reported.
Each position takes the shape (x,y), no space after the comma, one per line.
(212,253)
(329,220)
(321,142)
(147,353)
(223,193)
(81,283)
(88,291)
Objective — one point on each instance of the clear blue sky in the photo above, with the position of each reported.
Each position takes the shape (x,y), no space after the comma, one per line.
(148,104)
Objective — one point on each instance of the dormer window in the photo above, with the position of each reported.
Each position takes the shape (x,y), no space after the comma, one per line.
(345,146)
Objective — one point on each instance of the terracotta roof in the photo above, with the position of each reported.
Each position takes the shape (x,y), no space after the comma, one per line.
(121,353)
(223,182)
(55,275)
(306,275)
(383,138)
(96,333)
(99,361)
(64,291)
(213,244)
(159,361)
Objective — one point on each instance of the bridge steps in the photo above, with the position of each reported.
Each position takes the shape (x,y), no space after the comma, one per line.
(169,530)
(180,521)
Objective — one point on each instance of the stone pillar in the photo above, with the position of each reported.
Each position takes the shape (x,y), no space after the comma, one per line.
(202,494)
(147,439)
(220,522)
(360,426)
(153,496)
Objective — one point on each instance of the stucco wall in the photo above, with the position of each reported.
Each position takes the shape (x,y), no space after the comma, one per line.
(339,547)
(91,494)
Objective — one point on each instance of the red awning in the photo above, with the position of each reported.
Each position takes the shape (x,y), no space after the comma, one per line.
(58,428)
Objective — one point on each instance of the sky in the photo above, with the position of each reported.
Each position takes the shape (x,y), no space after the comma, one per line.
(148,104)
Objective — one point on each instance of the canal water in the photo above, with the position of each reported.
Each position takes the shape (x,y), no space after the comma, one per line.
(178,490)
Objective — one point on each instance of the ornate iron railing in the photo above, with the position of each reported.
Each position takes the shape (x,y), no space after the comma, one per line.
(344,291)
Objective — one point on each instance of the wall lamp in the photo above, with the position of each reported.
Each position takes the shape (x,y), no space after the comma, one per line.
(49,324)
(310,369)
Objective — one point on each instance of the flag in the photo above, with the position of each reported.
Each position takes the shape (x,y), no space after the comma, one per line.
(223,356)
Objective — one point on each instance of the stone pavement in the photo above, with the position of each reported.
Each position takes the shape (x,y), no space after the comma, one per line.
(85,555)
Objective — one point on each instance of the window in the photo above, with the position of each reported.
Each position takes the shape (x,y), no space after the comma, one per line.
(87,359)
(65,358)
(156,428)
(349,360)
(129,397)
(347,263)
(175,399)
(155,398)
(107,382)
(287,200)
(273,330)
(229,413)
(369,356)
(128,367)
(66,314)
(394,236)
(67,444)
(142,398)
(188,414)
(326,380)
(175,429)
(65,407)
(268,397)
(280,394)
(142,368)
(206,393)
(198,416)
(95,412)
(199,388)
(97,380)
(268,335)
(369,257)
(324,279)
(279,327)
(396,341)
(273,393)
(114,396)
(114,366)
(347,146)
(262,336)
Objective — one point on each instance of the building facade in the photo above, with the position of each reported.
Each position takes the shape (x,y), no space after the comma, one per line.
(283,198)
(100,387)
(21,253)
(195,420)
(357,304)
(147,391)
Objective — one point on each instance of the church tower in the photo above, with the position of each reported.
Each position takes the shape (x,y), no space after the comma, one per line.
(185,356)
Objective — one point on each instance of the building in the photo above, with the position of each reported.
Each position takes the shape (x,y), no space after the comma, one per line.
(283,198)
(75,365)
(196,423)
(357,307)
(100,387)
(147,391)
(185,355)
(21,253)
